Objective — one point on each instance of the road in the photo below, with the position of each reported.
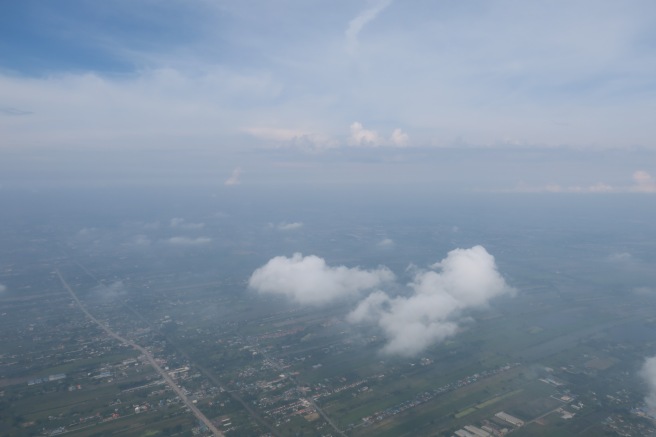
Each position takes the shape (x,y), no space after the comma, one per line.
(167,378)
(206,373)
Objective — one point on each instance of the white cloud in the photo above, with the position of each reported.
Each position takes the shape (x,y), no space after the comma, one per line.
(621,257)
(363,137)
(465,279)
(599,187)
(309,280)
(385,243)
(183,224)
(185,241)
(284,226)
(648,373)
(399,138)
(644,183)
(3,288)
(360,21)
(235,177)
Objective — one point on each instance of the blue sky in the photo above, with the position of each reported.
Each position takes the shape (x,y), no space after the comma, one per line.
(514,95)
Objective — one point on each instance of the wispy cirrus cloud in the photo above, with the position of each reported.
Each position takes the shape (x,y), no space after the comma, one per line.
(357,24)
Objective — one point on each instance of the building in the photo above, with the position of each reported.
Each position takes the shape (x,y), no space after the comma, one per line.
(510,419)
(477,431)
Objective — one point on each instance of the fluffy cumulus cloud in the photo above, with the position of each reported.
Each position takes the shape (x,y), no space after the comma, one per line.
(309,280)
(466,279)
(363,137)
(648,373)
(440,299)
(399,138)
(186,241)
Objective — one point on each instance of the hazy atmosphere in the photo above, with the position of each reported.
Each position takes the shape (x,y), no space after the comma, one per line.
(327,218)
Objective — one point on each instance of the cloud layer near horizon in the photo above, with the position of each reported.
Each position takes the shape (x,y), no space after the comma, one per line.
(643,182)
(466,279)
(309,280)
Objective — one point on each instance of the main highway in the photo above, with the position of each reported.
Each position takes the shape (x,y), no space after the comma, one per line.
(149,357)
